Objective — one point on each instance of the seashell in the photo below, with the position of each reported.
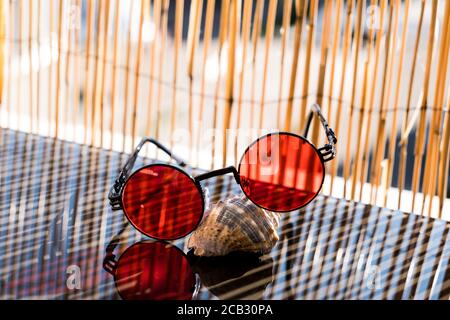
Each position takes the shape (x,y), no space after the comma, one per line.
(236,224)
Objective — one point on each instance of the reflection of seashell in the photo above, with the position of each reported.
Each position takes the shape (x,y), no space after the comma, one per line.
(235,224)
(234,276)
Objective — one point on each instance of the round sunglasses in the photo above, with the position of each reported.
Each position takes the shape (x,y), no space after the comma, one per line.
(280,172)
(152,271)
(158,270)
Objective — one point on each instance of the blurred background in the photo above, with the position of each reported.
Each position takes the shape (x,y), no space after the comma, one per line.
(207,77)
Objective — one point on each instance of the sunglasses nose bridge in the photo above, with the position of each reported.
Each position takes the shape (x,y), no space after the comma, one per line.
(219,172)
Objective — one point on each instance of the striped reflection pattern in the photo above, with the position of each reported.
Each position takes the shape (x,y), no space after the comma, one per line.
(55,224)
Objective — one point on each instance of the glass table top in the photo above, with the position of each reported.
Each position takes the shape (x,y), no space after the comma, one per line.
(59,239)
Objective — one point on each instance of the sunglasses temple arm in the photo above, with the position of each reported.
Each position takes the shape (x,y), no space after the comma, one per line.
(114,194)
(198,286)
(109,261)
(177,159)
(329,150)
(308,123)
(130,163)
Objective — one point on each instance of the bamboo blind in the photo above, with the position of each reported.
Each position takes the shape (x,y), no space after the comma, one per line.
(208,76)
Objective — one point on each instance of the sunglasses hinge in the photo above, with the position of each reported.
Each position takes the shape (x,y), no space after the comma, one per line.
(328,152)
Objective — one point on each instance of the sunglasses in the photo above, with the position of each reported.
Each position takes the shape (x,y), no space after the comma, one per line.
(156,270)
(150,270)
(279,172)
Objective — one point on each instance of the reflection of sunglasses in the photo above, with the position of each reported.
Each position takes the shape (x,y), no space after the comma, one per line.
(279,172)
(150,270)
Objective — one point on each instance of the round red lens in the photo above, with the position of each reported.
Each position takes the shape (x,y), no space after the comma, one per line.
(154,271)
(281,172)
(162,202)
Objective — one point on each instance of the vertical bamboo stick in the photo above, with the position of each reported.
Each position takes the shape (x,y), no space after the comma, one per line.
(444,156)
(246,23)
(432,160)
(357,41)
(103,81)
(223,33)
(371,106)
(403,146)
(309,51)
(68,55)
(287,13)
(2,49)
(326,25)
(30,65)
(114,71)
(195,17)
(127,76)
(300,13)
(76,75)
(58,68)
(345,50)
(269,35)
(385,95)
(38,82)
(393,137)
(179,11)
(257,21)
(362,123)
(156,19)
(90,11)
(193,33)
(334,53)
(19,111)
(96,72)
(50,72)
(11,46)
(230,76)
(162,47)
(209,20)
(136,77)
(420,135)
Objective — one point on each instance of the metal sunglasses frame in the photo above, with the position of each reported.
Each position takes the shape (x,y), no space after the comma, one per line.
(113,256)
(325,153)
(111,261)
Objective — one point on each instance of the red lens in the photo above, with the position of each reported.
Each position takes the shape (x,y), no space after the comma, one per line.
(162,202)
(154,271)
(281,172)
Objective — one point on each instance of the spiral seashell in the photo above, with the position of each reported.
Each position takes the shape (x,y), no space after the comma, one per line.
(236,224)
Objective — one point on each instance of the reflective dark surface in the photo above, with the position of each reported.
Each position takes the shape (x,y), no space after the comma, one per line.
(55,225)
(235,276)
